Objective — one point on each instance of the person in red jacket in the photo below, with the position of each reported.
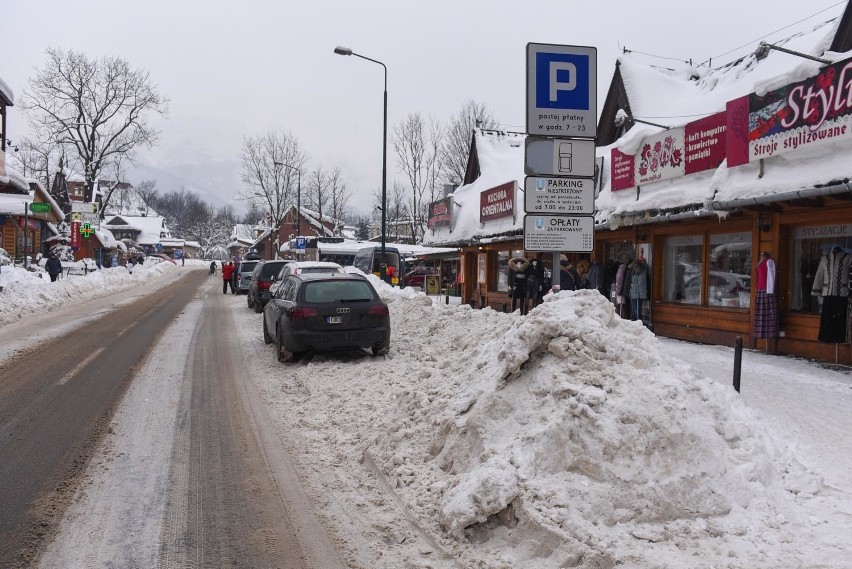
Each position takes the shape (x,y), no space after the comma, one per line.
(227,271)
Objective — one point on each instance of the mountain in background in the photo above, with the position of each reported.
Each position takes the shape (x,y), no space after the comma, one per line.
(216,182)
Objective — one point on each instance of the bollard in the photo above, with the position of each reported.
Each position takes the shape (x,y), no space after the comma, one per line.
(447,299)
(738,362)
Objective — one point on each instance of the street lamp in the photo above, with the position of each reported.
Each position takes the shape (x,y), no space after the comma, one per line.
(298,195)
(347,51)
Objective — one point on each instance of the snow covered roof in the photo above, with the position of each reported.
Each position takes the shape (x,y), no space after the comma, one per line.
(680,94)
(108,239)
(501,160)
(152,229)
(14,203)
(6,93)
(14,179)
(244,232)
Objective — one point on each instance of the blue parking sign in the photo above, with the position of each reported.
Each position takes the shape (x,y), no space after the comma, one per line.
(561,90)
(562,81)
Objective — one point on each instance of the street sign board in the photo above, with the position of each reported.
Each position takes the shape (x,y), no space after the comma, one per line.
(75,235)
(40,207)
(562,88)
(559,233)
(559,195)
(84,207)
(573,157)
(301,243)
(92,219)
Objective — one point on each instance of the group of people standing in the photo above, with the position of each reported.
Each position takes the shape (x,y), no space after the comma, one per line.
(229,275)
(527,283)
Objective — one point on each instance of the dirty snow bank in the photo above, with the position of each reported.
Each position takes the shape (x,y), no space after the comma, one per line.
(569,439)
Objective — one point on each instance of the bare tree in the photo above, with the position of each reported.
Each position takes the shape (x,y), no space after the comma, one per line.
(338,199)
(253,216)
(98,109)
(397,213)
(148,194)
(318,191)
(458,136)
(268,181)
(418,148)
(37,159)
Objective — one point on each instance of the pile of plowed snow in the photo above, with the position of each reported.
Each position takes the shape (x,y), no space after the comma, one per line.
(566,438)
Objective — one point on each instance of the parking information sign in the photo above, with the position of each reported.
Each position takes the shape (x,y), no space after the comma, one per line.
(559,195)
(300,244)
(571,157)
(562,90)
(559,233)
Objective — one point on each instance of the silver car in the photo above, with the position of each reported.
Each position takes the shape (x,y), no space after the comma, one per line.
(244,270)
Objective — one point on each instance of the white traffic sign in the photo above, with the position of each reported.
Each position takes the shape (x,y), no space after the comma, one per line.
(562,88)
(574,196)
(574,157)
(559,233)
(92,219)
(84,207)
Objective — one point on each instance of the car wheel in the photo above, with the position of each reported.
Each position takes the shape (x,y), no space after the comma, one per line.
(284,355)
(249,301)
(257,307)
(267,339)
(381,351)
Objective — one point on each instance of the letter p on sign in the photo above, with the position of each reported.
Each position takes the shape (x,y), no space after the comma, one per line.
(562,81)
(567,68)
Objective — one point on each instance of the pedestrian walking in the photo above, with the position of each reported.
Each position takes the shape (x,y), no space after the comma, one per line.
(227,273)
(234,274)
(54,268)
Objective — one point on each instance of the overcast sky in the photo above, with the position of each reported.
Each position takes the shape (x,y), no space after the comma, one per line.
(241,68)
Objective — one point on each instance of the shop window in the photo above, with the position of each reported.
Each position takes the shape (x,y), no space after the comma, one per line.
(809,245)
(729,270)
(682,269)
(502,267)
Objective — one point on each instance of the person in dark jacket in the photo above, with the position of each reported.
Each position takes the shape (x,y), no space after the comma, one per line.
(54,267)
(569,279)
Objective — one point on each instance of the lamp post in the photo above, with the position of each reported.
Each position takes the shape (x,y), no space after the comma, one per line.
(347,51)
(298,195)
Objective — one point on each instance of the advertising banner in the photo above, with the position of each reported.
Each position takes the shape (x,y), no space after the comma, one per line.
(623,170)
(705,143)
(695,147)
(799,115)
(439,213)
(75,235)
(497,202)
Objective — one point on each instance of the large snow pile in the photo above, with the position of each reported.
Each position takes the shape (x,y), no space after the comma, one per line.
(568,439)
(27,293)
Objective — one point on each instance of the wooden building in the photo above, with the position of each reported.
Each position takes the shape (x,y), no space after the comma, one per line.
(740,165)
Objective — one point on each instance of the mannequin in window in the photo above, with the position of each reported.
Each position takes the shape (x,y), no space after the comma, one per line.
(623,279)
(535,280)
(765,305)
(518,283)
(638,287)
(832,284)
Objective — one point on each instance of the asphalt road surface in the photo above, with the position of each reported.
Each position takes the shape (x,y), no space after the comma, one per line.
(218,491)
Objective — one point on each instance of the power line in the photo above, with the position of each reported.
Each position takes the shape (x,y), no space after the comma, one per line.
(773,32)
(625,50)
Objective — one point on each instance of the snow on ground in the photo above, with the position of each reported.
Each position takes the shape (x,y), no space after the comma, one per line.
(569,438)
(566,438)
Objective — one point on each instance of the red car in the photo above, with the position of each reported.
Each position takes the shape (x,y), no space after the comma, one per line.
(417,276)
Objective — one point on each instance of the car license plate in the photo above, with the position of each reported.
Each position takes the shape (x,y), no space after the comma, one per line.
(333,319)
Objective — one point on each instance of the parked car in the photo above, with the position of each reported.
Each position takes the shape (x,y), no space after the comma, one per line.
(417,276)
(260,280)
(325,312)
(368,259)
(244,272)
(725,289)
(303,267)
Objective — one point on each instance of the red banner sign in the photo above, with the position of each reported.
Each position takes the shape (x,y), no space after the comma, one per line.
(698,146)
(497,202)
(439,213)
(75,235)
(623,170)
